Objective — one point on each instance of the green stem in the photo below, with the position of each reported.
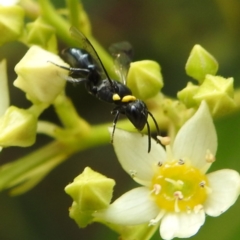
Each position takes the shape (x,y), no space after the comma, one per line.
(237,98)
(74,12)
(51,16)
(71,141)
(16,169)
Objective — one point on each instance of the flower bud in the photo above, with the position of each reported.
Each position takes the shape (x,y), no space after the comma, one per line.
(40,34)
(90,191)
(17,128)
(218,92)
(144,79)
(187,95)
(11,23)
(41,80)
(200,63)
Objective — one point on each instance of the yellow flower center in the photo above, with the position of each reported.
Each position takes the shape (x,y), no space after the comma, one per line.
(177,186)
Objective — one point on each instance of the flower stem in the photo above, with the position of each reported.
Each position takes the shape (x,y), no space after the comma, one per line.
(52,17)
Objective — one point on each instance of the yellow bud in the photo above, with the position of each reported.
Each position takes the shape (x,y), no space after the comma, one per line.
(17,128)
(200,63)
(41,80)
(11,23)
(144,79)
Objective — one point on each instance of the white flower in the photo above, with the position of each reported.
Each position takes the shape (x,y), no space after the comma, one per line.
(8,2)
(4,92)
(175,187)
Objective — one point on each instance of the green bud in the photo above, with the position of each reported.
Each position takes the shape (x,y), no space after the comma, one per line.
(144,79)
(186,95)
(90,191)
(200,63)
(82,218)
(11,23)
(41,80)
(218,92)
(40,34)
(17,128)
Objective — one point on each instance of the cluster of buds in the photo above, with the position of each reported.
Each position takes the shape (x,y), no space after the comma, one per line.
(217,91)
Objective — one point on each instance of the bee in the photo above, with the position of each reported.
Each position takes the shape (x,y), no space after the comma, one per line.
(86,67)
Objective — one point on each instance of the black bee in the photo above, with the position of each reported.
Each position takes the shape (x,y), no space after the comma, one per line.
(87,67)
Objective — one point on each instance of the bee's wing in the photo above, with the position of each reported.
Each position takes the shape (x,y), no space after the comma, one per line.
(122,53)
(87,45)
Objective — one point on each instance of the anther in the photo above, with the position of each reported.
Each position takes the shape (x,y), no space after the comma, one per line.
(180,162)
(164,140)
(178,195)
(198,208)
(159,164)
(133,173)
(202,184)
(210,158)
(154,221)
(157,189)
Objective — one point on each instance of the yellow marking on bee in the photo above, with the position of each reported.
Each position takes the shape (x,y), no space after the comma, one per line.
(128,98)
(116,97)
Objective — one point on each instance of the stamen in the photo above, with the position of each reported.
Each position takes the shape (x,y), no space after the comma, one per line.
(133,173)
(176,207)
(157,188)
(159,164)
(178,187)
(164,140)
(154,221)
(188,209)
(180,162)
(210,158)
(202,184)
(178,195)
(208,190)
(198,208)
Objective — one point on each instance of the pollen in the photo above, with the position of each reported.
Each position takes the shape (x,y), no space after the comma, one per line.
(177,186)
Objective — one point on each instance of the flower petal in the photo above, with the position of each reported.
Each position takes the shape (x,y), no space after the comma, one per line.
(196,138)
(131,150)
(182,225)
(225,186)
(132,208)
(4,92)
